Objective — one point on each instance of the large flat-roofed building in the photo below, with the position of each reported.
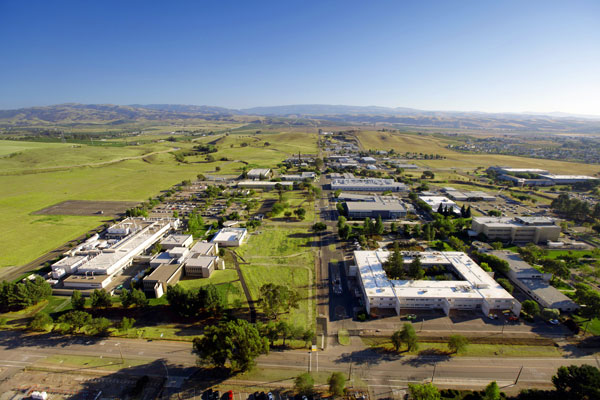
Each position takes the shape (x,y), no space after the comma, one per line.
(87,281)
(373,206)
(474,289)
(265,185)
(511,170)
(67,265)
(568,179)
(535,283)
(259,173)
(368,185)
(473,195)
(161,277)
(176,241)
(112,260)
(299,177)
(230,237)
(517,229)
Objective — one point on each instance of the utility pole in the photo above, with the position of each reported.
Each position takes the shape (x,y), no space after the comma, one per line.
(309,361)
(433,375)
(121,353)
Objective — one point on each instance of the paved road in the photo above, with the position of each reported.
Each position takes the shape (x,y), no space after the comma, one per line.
(382,371)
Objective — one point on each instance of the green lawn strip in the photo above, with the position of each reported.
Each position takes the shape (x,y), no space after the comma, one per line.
(343,337)
(472,350)
(592,326)
(283,375)
(88,362)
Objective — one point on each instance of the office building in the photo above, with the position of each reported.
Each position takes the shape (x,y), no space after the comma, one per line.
(368,185)
(472,288)
(517,229)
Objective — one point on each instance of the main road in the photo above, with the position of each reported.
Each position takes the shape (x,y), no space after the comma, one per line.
(382,371)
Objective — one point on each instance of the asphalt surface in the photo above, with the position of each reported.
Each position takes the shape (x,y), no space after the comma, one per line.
(381,370)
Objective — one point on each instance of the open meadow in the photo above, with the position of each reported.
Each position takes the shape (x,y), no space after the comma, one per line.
(434,144)
(36,175)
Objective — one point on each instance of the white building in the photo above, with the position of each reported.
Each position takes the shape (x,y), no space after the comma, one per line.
(517,229)
(176,241)
(230,237)
(203,260)
(259,173)
(474,290)
(368,185)
(373,206)
(266,185)
(299,177)
(535,283)
(568,179)
(435,201)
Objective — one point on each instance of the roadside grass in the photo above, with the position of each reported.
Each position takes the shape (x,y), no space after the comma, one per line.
(343,337)
(472,350)
(89,362)
(592,326)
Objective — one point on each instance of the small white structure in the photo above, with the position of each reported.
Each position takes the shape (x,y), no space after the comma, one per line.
(259,173)
(39,395)
(230,237)
(368,185)
(435,201)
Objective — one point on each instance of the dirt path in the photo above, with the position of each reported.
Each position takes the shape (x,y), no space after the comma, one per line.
(244,288)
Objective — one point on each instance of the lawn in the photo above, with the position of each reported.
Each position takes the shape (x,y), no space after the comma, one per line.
(472,350)
(226,281)
(282,255)
(593,326)
(89,362)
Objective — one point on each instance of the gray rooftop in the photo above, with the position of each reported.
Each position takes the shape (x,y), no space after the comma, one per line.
(163,273)
(515,262)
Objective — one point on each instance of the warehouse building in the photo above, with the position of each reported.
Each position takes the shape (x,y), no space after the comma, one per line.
(474,289)
(568,179)
(368,185)
(435,201)
(517,229)
(299,177)
(535,283)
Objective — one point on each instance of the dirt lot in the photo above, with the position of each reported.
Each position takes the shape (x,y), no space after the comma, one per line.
(83,207)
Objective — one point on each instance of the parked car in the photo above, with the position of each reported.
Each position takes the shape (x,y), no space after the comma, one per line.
(553,322)
(411,317)
(229,395)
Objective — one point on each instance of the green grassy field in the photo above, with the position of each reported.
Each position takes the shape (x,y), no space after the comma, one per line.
(82,172)
(282,255)
(226,281)
(428,144)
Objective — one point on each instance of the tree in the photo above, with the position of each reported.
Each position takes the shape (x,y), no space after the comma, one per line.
(75,320)
(237,342)
(397,340)
(415,269)
(100,299)
(394,266)
(304,384)
(368,226)
(319,227)
(577,382)
(100,326)
(125,324)
(550,313)
(300,213)
(77,300)
(284,330)
(497,245)
(531,307)
(457,343)
(505,284)
(345,232)
(409,336)
(457,244)
(491,391)
(425,391)
(40,322)
(378,228)
(337,384)
(138,298)
(590,298)
(125,298)
(274,298)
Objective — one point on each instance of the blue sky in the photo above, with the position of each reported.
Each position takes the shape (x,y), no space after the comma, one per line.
(493,56)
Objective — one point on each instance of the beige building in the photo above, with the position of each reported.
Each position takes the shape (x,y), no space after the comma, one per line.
(517,229)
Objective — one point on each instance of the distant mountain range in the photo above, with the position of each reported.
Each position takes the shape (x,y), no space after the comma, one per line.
(342,114)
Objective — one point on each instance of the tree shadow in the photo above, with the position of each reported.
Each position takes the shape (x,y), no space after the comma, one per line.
(427,357)
(368,356)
